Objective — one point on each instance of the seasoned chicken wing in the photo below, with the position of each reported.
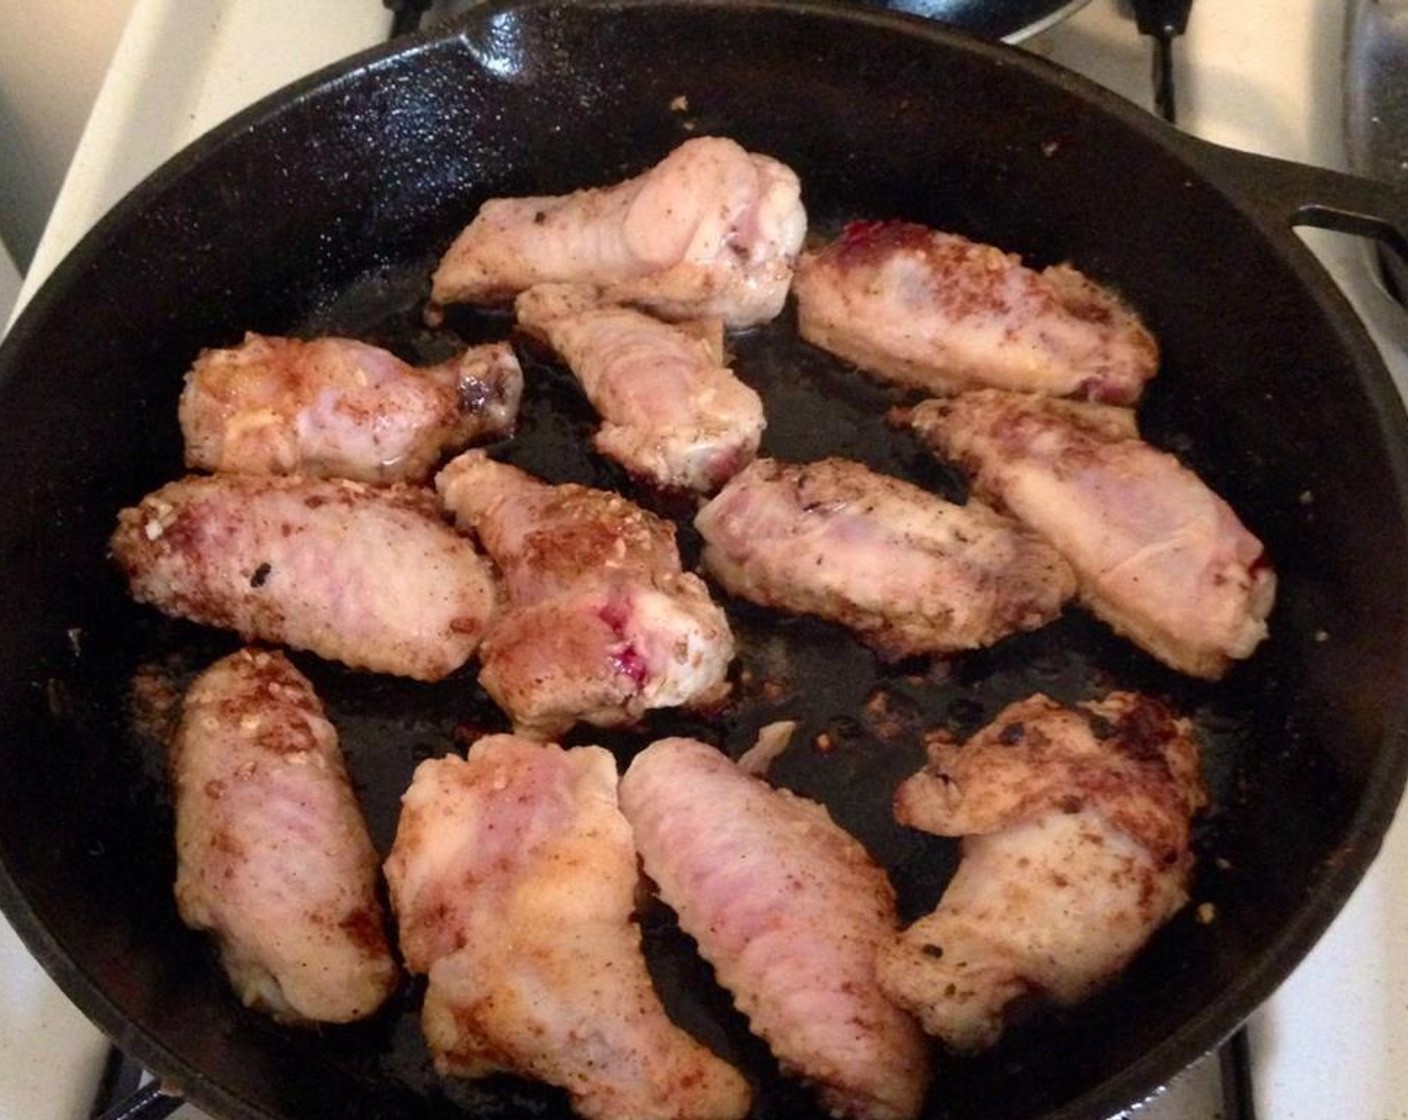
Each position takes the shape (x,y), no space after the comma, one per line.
(1076,849)
(370,577)
(672,413)
(711,230)
(936,311)
(273,857)
(790,911)
(513,877)
(601,624)
(907,571)
(1157,554)
(335,407)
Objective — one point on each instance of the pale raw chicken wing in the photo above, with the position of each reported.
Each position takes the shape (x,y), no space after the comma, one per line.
(909,572)
(791,911)
(368,576)
(935,311)
(711,230)
(336,407)
(673,414)
(273,857)
(1157,554)
(601,623)
(514,878)
(1077,849)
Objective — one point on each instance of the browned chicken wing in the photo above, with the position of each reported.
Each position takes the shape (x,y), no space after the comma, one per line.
(909,572)
(1157,554)
(1076,849)
(711,230)
(602,625)
(514,877)
(370,577)
(790,911)
(338,408)
(672,413)
(273,857)
(936,311)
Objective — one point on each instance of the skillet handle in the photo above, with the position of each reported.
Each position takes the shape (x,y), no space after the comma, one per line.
(1287,194)
(1284,195)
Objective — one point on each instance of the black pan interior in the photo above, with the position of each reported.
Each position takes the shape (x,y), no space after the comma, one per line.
(323,210)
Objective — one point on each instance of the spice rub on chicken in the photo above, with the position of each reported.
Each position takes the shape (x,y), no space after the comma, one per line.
(791,911)
(711,230)
(935,311)
(909,572)
(273,856)
(368,576)
(672,413)
(336,407)
(514,876)
(1159,556)
(1076,849)
(601,625)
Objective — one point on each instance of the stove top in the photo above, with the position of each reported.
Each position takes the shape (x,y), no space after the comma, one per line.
(1260,75)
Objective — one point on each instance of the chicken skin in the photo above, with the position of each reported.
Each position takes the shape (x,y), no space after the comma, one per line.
(366,576)
(791,911)
(513,876)
(601,624)
(672,413)
(909,572)
(1159,556)
(935,311)
(335,407)
(273,856)
(711,230)
(1076,849)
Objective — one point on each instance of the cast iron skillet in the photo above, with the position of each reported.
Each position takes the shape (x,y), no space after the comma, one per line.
(1009,20)
(323,209)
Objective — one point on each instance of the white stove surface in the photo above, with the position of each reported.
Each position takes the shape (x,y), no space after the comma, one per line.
(1260,75)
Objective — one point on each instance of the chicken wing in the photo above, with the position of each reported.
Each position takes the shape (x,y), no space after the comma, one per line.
(711,230)
(938,312)
(370,577)
(909,572)
(790,911)
(335,407)
(672,413)
(273,857)
(602,625)
(1076,849)
(1157,554)
(513,877)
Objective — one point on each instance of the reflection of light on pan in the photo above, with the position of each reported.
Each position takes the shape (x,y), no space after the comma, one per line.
(499,49)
